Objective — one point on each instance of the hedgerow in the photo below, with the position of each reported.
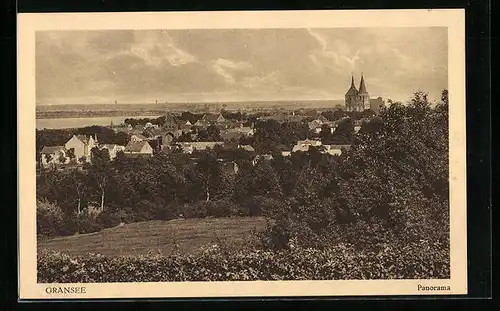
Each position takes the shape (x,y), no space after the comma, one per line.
(415,261)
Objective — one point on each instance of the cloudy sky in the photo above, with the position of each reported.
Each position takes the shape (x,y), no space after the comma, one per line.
(243,64)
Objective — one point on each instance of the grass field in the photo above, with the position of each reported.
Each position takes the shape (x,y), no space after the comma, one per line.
(152,236)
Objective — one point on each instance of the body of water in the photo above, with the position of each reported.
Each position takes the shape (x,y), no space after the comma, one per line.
(61,123)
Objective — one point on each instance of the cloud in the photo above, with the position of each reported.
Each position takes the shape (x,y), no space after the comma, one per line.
(352,61)
(265,82)
(226,68)
(337,51)
(239,62)
(156,48)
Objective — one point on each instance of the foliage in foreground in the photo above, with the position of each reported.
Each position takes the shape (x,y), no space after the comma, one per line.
(216,263)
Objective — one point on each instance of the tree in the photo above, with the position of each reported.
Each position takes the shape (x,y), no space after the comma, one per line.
(325,134)
(344,132)
(62,159)
(266,136)
(208,172)
(444,96)
(48,158)
(213,133)
(80,185)
(71,155)
(398,175)
(189,116)
(334,115)
(49,218)
(100,171)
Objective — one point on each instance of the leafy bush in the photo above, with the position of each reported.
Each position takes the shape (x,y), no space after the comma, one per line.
(425,260)
(86,222)
(221,208)
(49,218)
(194,210)
(263,206)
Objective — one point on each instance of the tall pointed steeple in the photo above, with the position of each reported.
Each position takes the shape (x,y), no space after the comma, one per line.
(352,91)
(362,87)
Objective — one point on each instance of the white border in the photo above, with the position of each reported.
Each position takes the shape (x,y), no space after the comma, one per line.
(29,23)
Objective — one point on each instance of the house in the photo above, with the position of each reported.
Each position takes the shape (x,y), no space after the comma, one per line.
(170,148)
(322,118)
(336,149)
(231,145)
(138,148)
(213,118)
(230,167)
(168,138)
(171,124)
(113,149)
(245,130)
(181,124)
(139,127)
(303,145)
(282,117)
(190,147)
(202,124)
(231,134)
(138,138)
(247,148)
(52,155)
(314,124)
(150,125)
(286,153)
(82,146)
(262,158)
(237,132)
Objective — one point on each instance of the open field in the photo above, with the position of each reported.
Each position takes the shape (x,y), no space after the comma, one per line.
(151,236)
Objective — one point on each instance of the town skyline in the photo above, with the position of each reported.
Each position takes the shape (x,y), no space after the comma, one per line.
(144,66)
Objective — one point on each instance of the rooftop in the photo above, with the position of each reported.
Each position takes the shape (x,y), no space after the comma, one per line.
(51,149)
(135,146)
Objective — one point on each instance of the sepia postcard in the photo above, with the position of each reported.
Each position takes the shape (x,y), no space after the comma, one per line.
(241,154)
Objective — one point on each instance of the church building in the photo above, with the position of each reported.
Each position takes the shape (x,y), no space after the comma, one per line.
(357,100)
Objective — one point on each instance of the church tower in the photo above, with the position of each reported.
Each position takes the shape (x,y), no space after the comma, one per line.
(364,97)
(351,97)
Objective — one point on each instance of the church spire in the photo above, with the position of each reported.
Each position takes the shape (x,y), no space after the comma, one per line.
(352,91)
(362,87)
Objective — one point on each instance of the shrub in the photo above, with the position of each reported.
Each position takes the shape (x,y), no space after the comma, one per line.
(86,221)
(263,206)
(194,210)
(221,208)
(428,260)
(108,219)
(49,218)
(145,210)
